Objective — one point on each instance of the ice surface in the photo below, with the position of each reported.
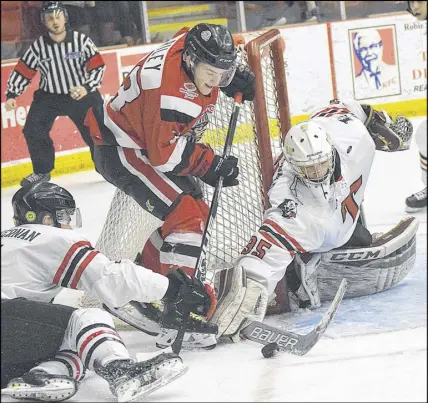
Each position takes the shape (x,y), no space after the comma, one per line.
(375,349)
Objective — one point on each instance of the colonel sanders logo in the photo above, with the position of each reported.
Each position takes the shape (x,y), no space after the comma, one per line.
(288,208)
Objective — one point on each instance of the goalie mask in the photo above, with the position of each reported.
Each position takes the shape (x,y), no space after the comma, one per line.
(310,153)
(211,53)
(32,204)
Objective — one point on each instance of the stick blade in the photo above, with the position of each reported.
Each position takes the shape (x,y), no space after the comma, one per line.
(291,342)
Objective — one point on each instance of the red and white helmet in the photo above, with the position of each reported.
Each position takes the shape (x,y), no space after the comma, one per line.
(308,149)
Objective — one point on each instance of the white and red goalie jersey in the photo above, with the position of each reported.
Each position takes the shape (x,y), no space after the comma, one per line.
(299,220)
(38,261)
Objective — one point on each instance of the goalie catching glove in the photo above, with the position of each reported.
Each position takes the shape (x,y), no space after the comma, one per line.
(225,167)
(387,134)
(241,300)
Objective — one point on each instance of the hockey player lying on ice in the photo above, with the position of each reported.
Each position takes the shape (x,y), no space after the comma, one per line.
(47,347)
(313,234)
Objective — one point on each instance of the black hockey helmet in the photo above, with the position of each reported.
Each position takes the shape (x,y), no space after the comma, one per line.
(33,202)
(211,44)
(52,7)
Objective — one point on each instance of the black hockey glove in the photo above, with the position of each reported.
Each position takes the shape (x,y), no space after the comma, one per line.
(188,293)
(226,167)
(243,81)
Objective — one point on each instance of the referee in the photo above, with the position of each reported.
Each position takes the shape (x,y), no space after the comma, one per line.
(71,70)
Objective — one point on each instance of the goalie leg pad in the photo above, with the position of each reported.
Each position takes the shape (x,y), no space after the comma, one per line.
(241,301)
(302,275)
(371,269)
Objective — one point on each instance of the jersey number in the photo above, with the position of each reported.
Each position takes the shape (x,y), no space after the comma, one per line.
(260,249)
(128,91)
(349,204)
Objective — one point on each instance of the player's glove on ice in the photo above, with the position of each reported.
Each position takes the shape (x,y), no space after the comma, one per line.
(185,292)
(226,167)
(243,81)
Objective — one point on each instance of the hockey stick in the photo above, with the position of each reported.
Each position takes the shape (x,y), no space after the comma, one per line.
(201,264)
(282,340)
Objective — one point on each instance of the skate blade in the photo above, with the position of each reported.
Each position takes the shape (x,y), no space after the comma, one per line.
(132,391)
(49,393)
(191,341)
(414,209)
(135,319)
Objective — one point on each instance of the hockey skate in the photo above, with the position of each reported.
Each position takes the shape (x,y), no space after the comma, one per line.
(35,178)
(416,201)
(149,318)
(129,380)
(40,386)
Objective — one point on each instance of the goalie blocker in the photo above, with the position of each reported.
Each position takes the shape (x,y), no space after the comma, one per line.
(369,270)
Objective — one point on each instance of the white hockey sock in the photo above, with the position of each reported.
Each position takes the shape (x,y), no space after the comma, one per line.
(64,363)
(93,335)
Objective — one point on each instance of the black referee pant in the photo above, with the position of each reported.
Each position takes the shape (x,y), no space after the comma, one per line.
(44,109)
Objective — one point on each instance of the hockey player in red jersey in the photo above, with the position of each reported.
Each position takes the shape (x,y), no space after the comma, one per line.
(148,137)
(314,227)
(43,254)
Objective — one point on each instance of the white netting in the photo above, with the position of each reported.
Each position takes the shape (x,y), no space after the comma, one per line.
(240,208)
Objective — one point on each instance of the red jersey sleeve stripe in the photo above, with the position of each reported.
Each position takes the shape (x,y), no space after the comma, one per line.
(270,239)
(94,62)
(67,258)
(24,70)
(88,259)
(287,236)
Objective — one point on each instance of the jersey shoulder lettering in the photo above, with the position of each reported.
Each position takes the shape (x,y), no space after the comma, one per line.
(36,257)
(155,94)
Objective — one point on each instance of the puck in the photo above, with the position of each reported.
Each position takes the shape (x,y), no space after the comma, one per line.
(269,350)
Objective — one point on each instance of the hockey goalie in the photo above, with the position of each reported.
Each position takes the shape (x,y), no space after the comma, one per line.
(313,235)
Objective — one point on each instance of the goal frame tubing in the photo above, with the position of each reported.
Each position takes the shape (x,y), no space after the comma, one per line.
(253,48)
(274,40)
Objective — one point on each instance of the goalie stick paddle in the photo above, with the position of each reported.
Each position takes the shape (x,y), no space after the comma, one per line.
(291,342)
(201,264)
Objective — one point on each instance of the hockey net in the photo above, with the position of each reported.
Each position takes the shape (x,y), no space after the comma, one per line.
(257,140)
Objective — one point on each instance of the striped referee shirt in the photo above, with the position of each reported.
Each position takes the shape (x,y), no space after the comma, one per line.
(72,62)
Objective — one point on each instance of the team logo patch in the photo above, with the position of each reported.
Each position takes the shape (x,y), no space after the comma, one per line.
(30,216)
(206,35)
(288,208)
(344,119)
(189,91)
(73,55)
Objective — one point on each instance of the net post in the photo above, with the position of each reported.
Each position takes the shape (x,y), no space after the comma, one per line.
(281,86)
(273,39)
(260,110)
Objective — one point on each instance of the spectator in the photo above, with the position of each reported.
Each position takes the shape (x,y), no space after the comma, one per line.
(261,14)
(79,19)
(113,23)
(310,11)
(68,86)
